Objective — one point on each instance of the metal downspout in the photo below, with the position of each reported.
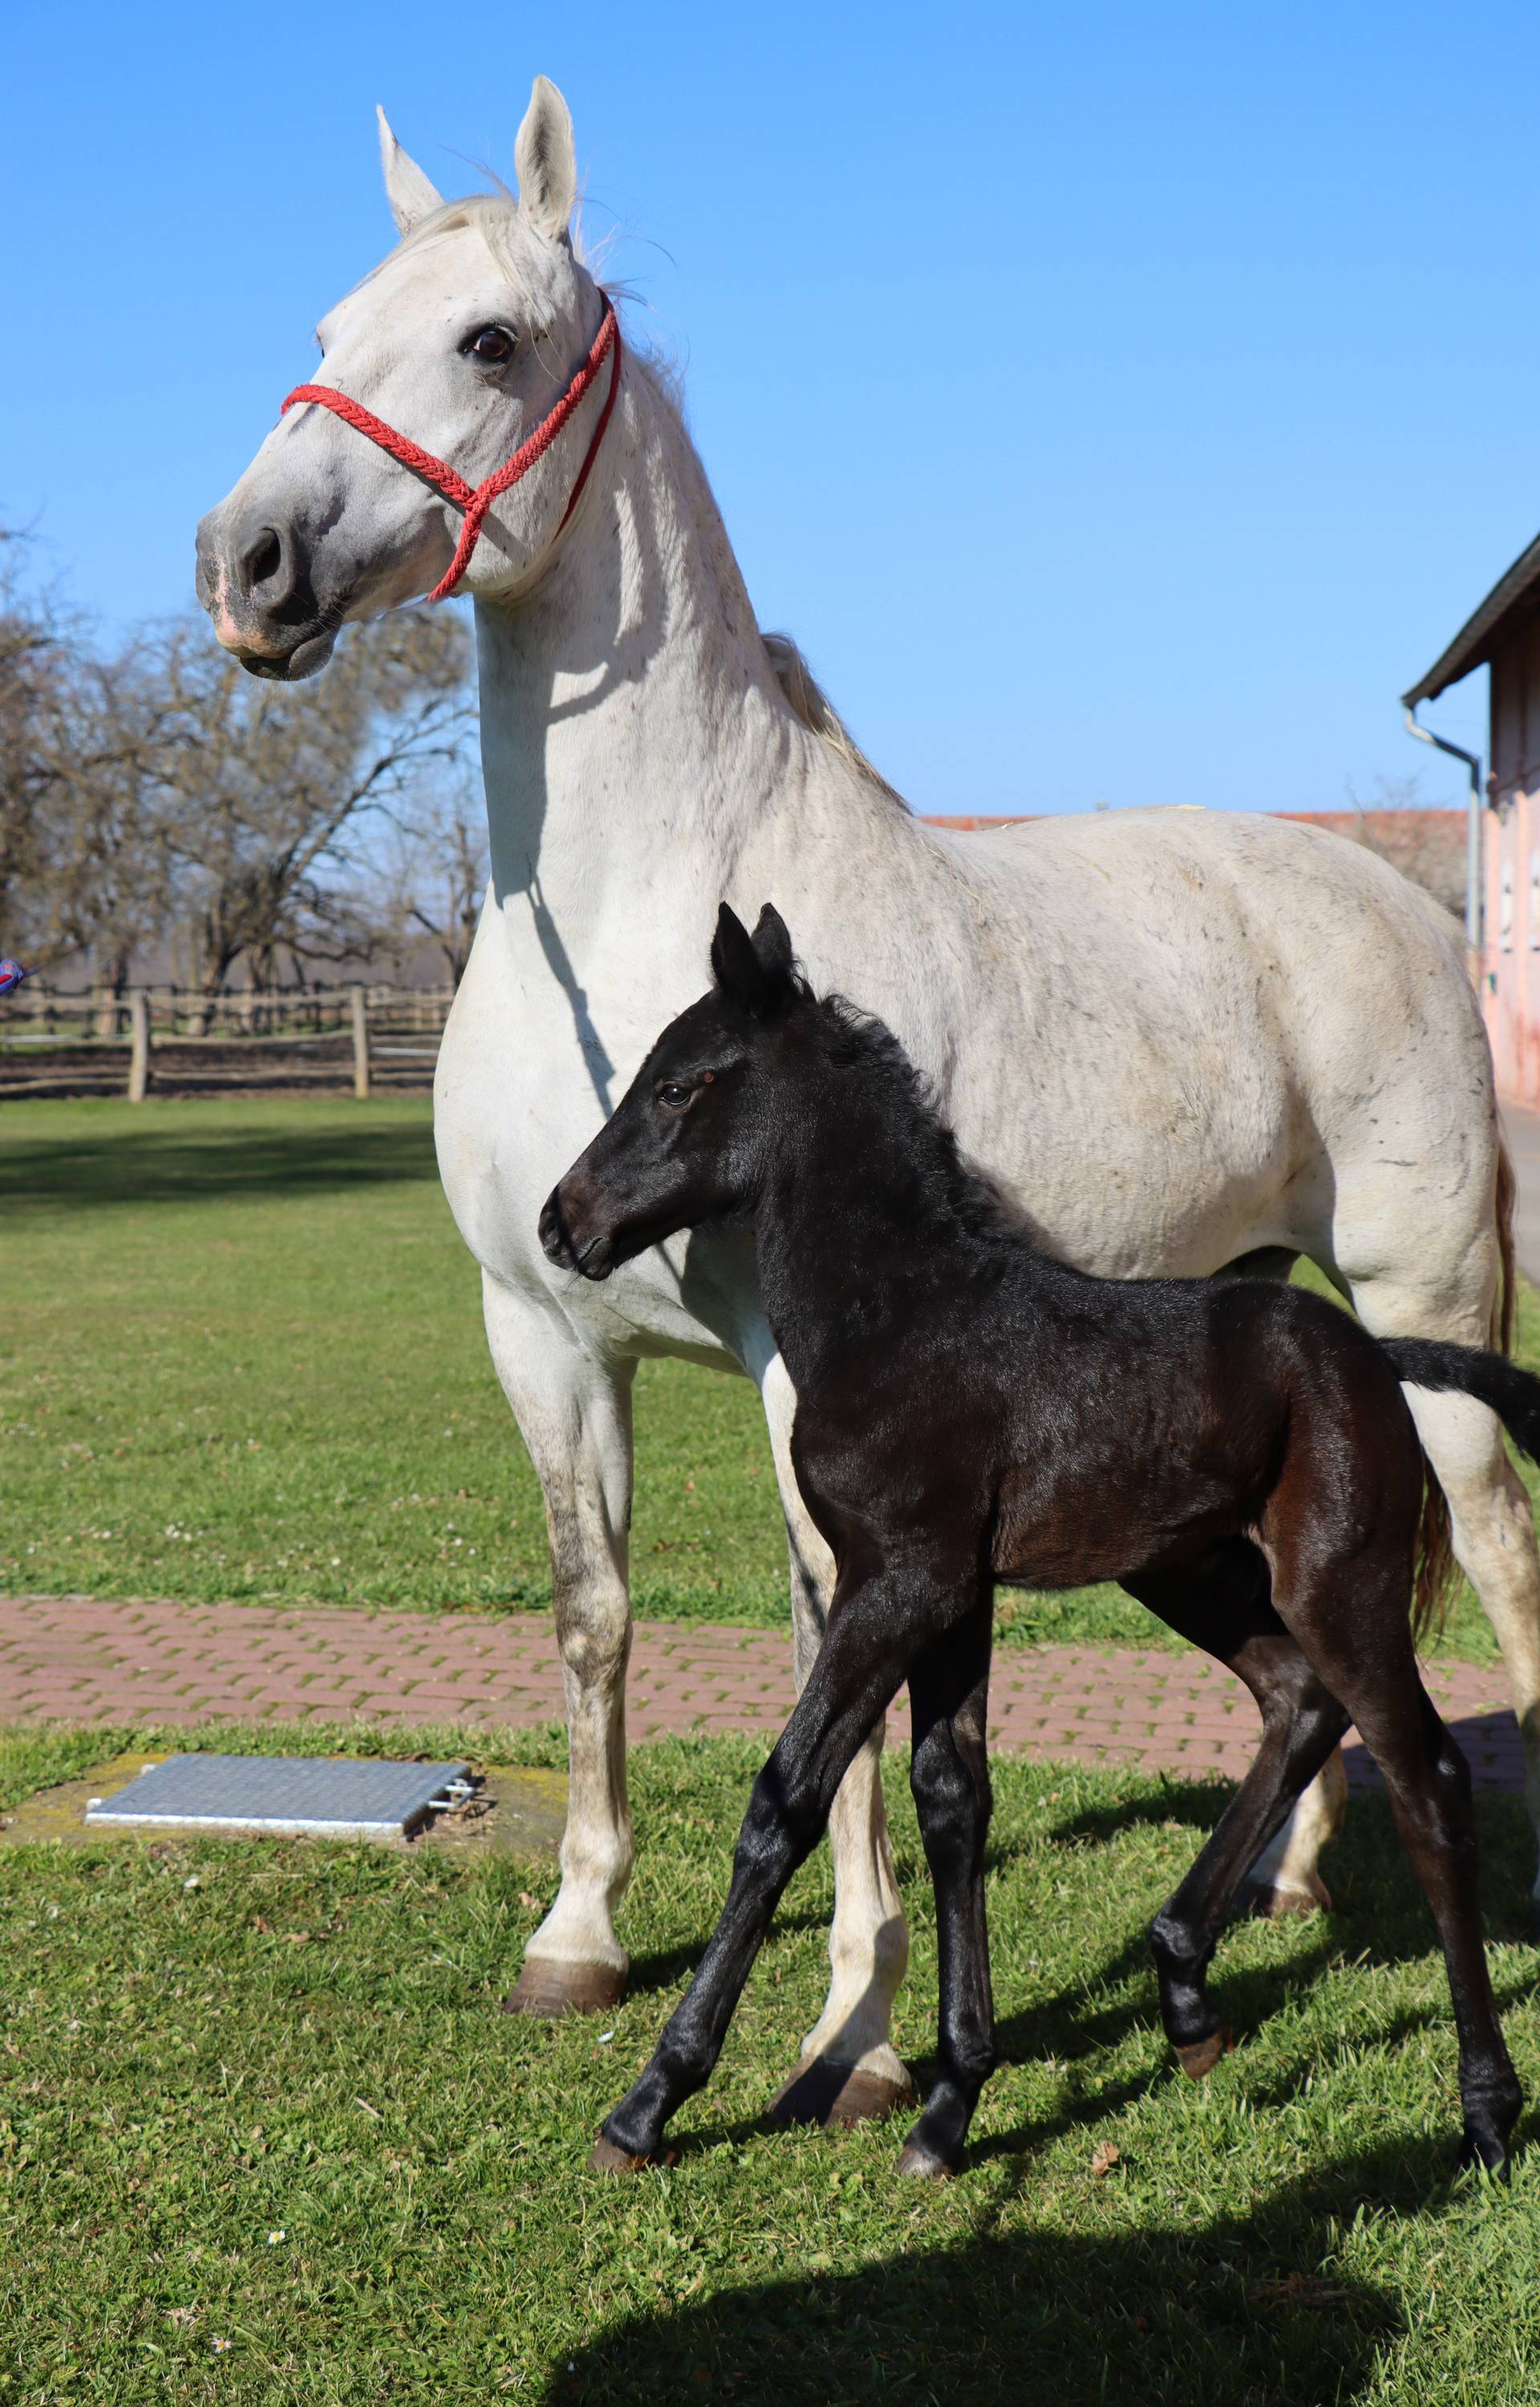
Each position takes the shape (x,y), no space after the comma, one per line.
(1473,836)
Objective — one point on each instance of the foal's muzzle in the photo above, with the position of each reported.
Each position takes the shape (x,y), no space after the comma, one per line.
(570,1234)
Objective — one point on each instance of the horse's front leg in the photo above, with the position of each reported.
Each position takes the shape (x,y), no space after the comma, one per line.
(575,1415)
(848,2071)
(876,1628)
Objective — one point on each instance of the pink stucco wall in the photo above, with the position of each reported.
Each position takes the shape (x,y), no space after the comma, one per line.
(1511,984)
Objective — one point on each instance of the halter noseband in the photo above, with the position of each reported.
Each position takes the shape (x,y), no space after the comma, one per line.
(476,502)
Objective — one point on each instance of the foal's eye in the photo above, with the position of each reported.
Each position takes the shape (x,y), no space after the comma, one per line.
(492,346)
(676,1096)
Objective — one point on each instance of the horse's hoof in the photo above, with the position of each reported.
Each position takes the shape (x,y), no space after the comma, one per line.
(1484,2153)
(837,2096)
(1276,1904)
(1198,2059)
(918,2164)
(548,1987)
(607,2159)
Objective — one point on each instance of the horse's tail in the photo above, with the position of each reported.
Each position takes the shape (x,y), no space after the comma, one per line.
(1501,1336)
(1437,1574)
(1512,1394)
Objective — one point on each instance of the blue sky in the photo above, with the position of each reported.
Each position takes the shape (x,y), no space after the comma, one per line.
(1118,402)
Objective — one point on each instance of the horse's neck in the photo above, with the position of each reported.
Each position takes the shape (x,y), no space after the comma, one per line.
(852,1228)
(627,703)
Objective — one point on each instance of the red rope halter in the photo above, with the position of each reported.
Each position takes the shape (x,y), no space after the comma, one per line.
(475,503)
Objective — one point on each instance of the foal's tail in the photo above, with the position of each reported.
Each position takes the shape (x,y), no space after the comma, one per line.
(1512,1394)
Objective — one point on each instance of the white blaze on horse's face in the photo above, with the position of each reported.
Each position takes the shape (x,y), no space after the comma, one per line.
(462,339)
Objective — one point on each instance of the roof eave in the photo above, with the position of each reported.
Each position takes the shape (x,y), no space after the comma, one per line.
(1514,597)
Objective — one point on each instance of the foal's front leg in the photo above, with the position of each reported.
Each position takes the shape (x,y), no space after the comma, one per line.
(848,2071)
(875,1631)
(949,1774)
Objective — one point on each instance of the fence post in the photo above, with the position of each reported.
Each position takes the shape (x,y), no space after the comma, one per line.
(361,1046)
(138,1059)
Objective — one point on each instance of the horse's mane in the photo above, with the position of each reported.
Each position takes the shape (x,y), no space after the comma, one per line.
(912,1117)
(811,706)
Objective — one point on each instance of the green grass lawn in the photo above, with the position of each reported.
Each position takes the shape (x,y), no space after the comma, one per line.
(241,1356)
(264,2137)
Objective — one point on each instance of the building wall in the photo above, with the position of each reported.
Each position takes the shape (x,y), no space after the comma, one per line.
(1511,984)
(1510,967)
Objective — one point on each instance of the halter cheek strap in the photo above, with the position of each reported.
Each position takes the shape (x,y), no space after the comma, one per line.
(476,501)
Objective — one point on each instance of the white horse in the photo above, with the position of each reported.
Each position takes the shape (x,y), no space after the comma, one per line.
(1178,1039)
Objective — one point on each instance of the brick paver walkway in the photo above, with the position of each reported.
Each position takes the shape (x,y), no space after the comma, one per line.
(76,1658)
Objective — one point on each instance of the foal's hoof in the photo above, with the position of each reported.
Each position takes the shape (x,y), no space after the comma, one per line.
(1198,2059)
(607,2159)
(548,1987)
(918,2164)
(1276,1904)
(837,2096)
(1482,2152)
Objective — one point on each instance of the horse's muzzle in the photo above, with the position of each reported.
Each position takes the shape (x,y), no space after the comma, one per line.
(567,1237)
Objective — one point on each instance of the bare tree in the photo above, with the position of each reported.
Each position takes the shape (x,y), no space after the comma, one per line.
(80,865)
(267,789)
(441,867)
(1424,841)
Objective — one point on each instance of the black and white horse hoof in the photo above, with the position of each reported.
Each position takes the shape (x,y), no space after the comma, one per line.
(608,2159)
(1198,2059)
(549,1988)
(918,2164)
(837,2097)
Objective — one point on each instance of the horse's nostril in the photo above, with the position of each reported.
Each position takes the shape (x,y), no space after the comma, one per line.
(262,558)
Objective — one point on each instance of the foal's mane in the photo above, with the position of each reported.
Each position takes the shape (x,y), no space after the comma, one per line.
(855,1040)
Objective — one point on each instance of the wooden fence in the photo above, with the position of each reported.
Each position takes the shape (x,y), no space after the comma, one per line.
(169,1040)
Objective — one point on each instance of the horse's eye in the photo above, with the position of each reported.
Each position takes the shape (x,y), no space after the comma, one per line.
(491,344)
(676,1096)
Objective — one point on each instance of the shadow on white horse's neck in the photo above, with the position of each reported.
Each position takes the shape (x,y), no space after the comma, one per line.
(633,731)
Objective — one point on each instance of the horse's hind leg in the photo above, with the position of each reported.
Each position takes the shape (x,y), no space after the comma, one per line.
(1453,1296)
(949,1775)
(1369,1662)
(1223,1607)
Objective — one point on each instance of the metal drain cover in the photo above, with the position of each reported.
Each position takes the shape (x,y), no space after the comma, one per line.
(283,1794)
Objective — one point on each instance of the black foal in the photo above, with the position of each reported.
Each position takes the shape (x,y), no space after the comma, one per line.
(1239,1455)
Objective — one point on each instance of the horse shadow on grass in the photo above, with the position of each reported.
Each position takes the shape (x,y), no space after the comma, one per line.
(167,1164)
(1234,2312)
(1246,2310)
(1380,1918)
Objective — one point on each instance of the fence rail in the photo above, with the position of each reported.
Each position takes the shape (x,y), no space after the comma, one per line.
(171,1040)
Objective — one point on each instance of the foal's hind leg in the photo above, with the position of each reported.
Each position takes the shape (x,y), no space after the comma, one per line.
(1223,1607)
(949,1774)
(1491,1519)
(1366,1655)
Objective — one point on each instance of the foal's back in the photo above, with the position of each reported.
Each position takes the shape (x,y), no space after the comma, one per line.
(1101,1426)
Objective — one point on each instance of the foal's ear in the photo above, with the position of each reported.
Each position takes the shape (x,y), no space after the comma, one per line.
(752,972)
(773,944)
(411,196)
(546,162)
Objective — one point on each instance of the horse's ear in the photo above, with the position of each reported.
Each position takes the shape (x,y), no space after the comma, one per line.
(772,945)
(411,196)
(752,972)
(736,966)
(545,161)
